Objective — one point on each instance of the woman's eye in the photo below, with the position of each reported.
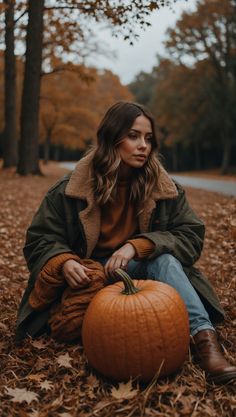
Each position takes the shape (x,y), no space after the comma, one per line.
(132,136)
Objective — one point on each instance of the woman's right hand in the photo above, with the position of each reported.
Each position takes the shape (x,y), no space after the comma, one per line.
(75,274)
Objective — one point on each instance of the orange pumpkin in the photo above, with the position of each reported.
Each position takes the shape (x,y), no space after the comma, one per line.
(135,329)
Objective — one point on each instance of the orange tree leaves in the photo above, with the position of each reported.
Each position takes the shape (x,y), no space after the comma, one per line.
(71,109)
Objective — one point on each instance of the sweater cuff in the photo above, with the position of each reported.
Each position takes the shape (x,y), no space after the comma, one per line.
(49,282)
(54,265)
(143,247)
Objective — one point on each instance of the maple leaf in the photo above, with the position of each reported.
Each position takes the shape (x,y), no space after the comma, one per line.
(64,360)
(21,394)
(124,391)
(47,385)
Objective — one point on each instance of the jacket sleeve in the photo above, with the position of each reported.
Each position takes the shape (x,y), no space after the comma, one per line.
(47,235)
(183,234)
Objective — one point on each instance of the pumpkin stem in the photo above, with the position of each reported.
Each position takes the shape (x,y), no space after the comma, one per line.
(129,285)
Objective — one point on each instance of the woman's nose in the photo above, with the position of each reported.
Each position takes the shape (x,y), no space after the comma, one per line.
(142,143)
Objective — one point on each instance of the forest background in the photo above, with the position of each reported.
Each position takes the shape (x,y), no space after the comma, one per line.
(51,102)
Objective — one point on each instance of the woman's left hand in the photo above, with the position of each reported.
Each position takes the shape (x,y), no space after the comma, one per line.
(119,259)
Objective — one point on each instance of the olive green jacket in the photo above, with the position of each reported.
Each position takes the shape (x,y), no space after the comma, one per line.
(68,220)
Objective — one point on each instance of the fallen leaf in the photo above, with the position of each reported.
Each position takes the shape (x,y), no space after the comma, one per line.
(21,394)
(64,360)
(3,327)
(124,391)
(101,404)
(58,401)
(92,381)
(34,413)
(47,385)
(36,377)
(39,344)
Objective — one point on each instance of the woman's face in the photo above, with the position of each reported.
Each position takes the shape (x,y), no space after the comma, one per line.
(135,148)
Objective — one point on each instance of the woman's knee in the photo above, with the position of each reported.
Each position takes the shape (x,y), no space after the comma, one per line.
(164,267)
(166,260)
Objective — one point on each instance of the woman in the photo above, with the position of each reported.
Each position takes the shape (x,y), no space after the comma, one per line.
(118,209)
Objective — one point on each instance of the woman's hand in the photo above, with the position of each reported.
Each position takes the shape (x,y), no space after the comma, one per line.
(119,259)
(75,274)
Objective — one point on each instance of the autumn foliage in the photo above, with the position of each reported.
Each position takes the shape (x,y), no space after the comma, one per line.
(71,109)
(52,31)
(72,103)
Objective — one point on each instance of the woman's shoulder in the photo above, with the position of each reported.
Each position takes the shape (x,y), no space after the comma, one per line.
(60,185)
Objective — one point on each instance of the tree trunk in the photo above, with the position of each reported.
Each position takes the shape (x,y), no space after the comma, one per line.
(197,155)
(46,149)
(10,139)
(226,156)
(56,153)
(174,157)
(29,137)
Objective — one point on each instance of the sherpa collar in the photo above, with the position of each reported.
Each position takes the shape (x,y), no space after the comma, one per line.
(80,187)
(80,183)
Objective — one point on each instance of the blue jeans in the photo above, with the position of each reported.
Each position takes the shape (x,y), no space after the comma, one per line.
(166,268)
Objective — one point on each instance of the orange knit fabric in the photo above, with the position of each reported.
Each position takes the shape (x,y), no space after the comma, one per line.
(50,281)
(119,222)
(143,247)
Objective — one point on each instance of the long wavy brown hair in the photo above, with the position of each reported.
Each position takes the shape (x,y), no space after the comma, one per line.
(114,127)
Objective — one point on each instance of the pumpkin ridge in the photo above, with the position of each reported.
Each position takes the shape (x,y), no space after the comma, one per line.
(97,333)
(142,307)
(173,300)
(113,319)
(167,308)
(137,313)
(140,313)
(115,306)
(157,320)
(177,306)
(125,302)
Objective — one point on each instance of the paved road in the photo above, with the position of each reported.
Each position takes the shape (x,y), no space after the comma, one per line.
(218,186)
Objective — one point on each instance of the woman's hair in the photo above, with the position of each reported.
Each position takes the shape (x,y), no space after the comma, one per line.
(115,126)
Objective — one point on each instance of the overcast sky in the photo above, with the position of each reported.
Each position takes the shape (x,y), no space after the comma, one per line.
(142,55)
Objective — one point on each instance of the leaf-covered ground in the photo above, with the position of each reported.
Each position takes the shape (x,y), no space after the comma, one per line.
(41,378)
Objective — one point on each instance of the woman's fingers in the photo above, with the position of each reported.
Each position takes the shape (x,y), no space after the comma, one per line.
(114,263)
(76,274)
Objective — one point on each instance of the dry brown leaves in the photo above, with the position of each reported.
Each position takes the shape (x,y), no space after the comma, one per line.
(41,378)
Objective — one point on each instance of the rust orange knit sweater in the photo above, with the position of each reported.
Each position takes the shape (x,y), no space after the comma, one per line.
(119,222)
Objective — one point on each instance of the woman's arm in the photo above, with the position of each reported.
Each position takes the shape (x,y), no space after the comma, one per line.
(182,232)
(47,235)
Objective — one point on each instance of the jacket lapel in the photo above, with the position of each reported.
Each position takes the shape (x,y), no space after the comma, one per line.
(80,187)
(165,189)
